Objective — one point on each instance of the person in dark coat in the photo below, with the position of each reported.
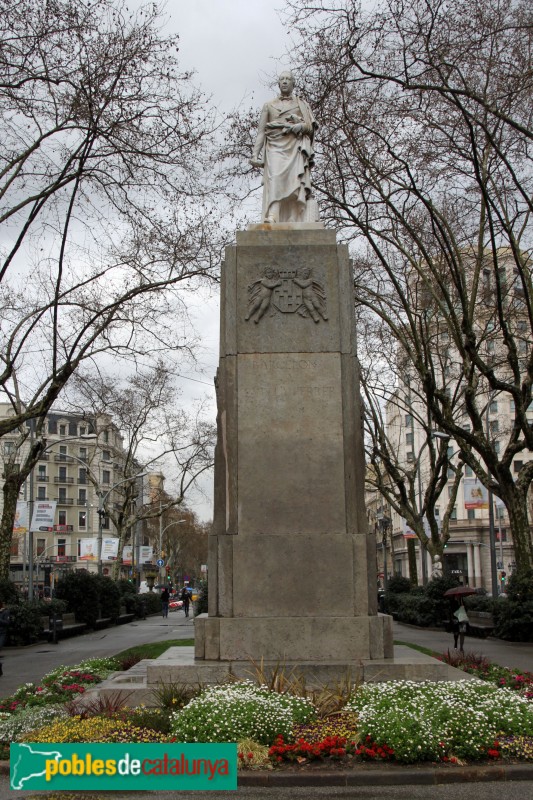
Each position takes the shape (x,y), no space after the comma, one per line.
(165,600)
(185,597)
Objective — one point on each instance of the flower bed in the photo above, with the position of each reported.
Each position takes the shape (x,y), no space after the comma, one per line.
(398,721)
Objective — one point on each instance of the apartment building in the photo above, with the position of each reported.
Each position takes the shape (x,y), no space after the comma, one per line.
(82,465)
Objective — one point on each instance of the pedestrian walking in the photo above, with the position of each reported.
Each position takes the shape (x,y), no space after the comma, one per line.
(185,597)
(4,625)
(165,599)
(461,617)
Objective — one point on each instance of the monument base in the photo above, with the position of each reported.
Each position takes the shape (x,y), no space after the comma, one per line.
(314,640)
(177,665)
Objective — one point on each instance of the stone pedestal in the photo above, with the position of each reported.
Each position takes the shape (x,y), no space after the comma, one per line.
(292,565)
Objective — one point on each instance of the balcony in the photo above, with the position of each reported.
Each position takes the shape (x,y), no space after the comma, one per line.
(64,501)
(42,478)
(63,459)
(44,457)
(59,479)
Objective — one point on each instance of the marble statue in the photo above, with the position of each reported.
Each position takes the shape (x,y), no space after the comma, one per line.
(284,150)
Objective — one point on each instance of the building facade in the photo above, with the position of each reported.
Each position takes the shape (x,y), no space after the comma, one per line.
(80,472)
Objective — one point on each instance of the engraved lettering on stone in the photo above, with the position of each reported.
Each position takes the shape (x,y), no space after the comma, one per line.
(287,291)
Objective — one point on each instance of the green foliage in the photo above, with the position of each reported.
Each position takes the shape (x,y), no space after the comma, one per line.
(238,711)
(89,596)
(398,585)
(513,615)
(109,597)
(151,601)
(9,592)
(416,609)
(54,606)
(25,624)
(173,695)
(433,721)
(80,592)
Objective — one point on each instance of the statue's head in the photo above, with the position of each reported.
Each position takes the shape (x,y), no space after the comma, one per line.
(286,81)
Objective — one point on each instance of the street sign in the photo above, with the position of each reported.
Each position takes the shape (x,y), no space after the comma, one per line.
(160,562)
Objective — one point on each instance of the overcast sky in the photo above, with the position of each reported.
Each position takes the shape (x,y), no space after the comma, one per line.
(235,48)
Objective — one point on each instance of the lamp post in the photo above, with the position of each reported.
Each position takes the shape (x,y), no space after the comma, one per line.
(161,532)
(492,535)
(84,437)
(102,497)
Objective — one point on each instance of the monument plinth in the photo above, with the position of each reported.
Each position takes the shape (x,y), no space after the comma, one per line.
(292,565)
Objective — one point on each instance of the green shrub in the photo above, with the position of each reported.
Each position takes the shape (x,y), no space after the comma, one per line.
(9,592)
(399,585)
(513,615)
(25,623)
(89,596)
(416,609)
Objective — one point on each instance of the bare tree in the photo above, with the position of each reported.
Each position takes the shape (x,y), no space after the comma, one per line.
(109,216)
(155,433)
(424,164)
(411,488)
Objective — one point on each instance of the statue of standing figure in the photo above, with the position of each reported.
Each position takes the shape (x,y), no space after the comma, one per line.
(284,149)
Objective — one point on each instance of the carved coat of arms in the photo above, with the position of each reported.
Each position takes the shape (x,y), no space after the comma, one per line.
(288,291)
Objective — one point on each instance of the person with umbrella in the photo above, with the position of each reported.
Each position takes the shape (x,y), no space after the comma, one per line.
(459,617)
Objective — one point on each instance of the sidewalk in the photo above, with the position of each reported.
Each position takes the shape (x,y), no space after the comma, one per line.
(29,664)
(506,654)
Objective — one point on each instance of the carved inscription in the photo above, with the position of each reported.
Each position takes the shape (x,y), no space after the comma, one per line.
(287,291)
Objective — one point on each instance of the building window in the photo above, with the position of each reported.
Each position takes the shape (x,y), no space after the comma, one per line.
(453,514)
(62,452)
(83,453)
(62,430)
(470,513)
(408,420)
(494,426)
(106,455)
(82,496)
(9,448)
(61,547)
(106,436)
(82,519)
(409,438)
(106,476)
(41,546)
(41,493)
(73,429)
(83,430)
(62,517)
(41,472)
(62,473)
(105,524)
(468,471)
(496,446)
(517,466)
(493,408)
(62,494)
(14,546)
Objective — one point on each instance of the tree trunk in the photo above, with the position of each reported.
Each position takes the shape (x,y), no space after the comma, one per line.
(520,530)
(12,484)
(413,570)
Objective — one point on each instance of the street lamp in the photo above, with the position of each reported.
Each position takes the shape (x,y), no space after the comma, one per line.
(102,497)
(84,437)
(161,532)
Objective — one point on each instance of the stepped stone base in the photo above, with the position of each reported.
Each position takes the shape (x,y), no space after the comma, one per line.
(178,665)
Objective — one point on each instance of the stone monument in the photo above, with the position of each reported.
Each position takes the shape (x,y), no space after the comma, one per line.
(292,564)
